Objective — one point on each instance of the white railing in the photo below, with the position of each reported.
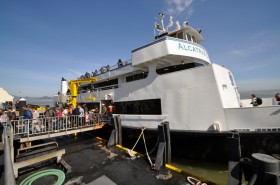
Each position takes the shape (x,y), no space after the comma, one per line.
(46,125)
(106,69)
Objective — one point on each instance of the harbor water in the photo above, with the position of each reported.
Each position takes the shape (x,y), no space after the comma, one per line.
(215,172)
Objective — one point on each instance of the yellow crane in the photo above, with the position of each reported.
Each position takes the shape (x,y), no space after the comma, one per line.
(73,87)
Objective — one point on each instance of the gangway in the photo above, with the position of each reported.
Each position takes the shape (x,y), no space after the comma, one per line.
(26,131)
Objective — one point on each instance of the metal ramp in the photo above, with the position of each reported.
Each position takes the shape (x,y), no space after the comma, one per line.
(26,130)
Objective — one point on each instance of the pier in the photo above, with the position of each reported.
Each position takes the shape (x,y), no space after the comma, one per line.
(69,147)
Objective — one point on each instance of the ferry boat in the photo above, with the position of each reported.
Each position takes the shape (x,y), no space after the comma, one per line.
(173,79)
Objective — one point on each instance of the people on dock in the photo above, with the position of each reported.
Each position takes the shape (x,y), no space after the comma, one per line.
(11,114)
(49,114)
(4,118)
(58,121)
(65,117)
(87,118)
(27,118)
(256,101)
(85,107)
(81,114)
(104,110)
(36,127)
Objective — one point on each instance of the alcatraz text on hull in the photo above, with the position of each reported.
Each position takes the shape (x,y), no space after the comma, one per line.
(172,79)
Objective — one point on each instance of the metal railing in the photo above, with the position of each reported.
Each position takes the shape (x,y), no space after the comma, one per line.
(106,69)
(46,125)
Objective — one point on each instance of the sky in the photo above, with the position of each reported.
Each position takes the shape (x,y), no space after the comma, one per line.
(43,41)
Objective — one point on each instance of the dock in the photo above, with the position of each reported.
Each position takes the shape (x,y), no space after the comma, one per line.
(91,162)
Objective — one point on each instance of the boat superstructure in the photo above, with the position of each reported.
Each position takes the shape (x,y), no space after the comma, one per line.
(172,79)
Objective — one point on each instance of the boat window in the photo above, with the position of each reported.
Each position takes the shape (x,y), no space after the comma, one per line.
(146,107)
(188,37)
(179,67)
(173,35)
(194,39)
(180,35)
(138,76)
(109,84)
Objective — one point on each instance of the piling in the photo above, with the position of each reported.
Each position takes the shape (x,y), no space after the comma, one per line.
(234,155)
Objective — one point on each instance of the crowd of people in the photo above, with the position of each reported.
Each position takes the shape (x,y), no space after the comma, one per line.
(102,70)
(55,118)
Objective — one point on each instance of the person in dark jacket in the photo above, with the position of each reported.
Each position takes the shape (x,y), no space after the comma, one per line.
(27,118)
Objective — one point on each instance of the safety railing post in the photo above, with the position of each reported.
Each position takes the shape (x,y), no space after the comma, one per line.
(9,177)
(28,128)
(11,142)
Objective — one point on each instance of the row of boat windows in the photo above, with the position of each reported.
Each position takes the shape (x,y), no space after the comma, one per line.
(175,68)
(143,107)
(184,36)
(113,83)
(139,107)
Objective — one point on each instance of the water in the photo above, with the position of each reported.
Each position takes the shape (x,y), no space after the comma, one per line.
(214,172)
(40,102)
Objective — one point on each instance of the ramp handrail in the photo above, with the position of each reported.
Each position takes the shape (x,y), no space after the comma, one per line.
(55,126)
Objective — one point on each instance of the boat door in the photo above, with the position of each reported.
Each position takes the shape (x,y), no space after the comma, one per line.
(106,107)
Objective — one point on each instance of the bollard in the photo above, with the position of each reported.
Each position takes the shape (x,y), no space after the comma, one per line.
(164,149)
(266,169)
(116,134)
(234,155)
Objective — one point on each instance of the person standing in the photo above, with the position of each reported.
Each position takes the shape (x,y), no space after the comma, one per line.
(87,118)
(35,122)
(277,97)
(81,115)
(4,119)
(58,116)
(65,114)
(256,101)
(27,118)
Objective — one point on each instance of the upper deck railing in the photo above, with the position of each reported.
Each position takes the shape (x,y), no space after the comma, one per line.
(106,69)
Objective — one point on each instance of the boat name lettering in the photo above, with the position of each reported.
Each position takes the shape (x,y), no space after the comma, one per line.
(188,47)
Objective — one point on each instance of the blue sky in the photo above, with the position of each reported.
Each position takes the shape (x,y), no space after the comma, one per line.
(42,41)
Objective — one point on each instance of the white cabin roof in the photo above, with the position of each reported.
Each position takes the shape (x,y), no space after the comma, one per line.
(5,96)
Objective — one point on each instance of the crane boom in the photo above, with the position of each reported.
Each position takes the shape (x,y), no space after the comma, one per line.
(73,87)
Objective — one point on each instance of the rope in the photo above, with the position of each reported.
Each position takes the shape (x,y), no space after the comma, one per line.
(152,165)
(147,153)
(194,181)
(142,132)
(130,152)
(30,179)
